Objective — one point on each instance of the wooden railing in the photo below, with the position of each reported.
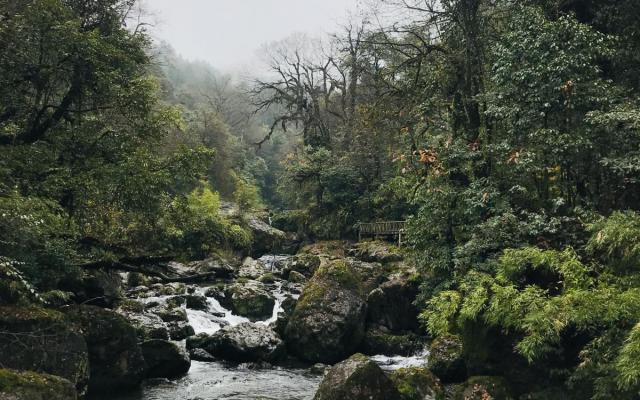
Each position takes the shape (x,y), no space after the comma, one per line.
(384,228)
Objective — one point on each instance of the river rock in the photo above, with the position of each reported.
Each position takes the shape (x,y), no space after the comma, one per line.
(391,305)
(245,342)
(165,359)
(296,277)
(201,355)
(197,302)
(180,330)
(417,383)
(250,300)
(252,269)
(27,385)
(305,264)
(482,388)
(148,326)
(376,251)
(328,321)
(357,378)
(100,288)
(446,359)
(221,267)
(266,239)
(377,341)
(45,341)
(115,358)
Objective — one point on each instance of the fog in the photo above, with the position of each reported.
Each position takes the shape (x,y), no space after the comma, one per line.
(228,33)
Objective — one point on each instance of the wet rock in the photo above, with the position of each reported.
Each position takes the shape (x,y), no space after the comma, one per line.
(377,341)
(266,239)
(267,278)
(376,251)
(197,302)
(482,388)
(201,355)
(357,378)
(250,300)
(45,341)
(169,289)
(147,325)
(216,264)
(99,288)
(391,305)
(318,369)
(305,264)
(446,359)
(297,277)
(165,359)
(27,385)
(241,343)
(180,330)
(328,322)
(417,384)
(252,269)
(115,358)
(172,315)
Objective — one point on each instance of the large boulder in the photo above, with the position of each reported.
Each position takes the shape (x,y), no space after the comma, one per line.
(27,385)
(482,388)
(391,305)
(215,264)
(446,359)
(305,264)
(241,343)
(417,383)
(376,251)
(180,330)
(250,299)
(197,302)
(45,341)
(115,358)
(357,378)
(266,239)
(252,268)
(100,288)
(165,359)
(147,325)
(328,322)
(377,341)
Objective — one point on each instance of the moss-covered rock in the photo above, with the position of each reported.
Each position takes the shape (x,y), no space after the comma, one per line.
(250,299)
(305,264)
(165,359)
(328,321)
(43,340)
(446,359)
(115,358)
(26,385)
(245,342)
(417,384)
(391,305)
(483,388)
(377,341)
(377,251)
(329,249)
(357,378)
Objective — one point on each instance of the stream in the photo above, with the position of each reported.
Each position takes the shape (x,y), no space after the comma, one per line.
(220,380)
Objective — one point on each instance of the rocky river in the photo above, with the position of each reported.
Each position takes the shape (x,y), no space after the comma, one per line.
(219,379)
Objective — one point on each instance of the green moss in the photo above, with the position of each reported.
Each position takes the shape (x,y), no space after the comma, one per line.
(10,314)
(483,387)
(339,272)
(25,383)
(131,305)
(417,384)
(267,278)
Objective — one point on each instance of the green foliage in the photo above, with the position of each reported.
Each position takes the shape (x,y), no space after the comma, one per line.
(246,194)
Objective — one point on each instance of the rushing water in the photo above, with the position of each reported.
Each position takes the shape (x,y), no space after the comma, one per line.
(215,380)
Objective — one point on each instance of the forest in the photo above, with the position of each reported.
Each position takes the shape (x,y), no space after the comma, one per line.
(161,219)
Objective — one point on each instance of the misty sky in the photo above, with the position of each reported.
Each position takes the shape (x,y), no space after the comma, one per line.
(227,33)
